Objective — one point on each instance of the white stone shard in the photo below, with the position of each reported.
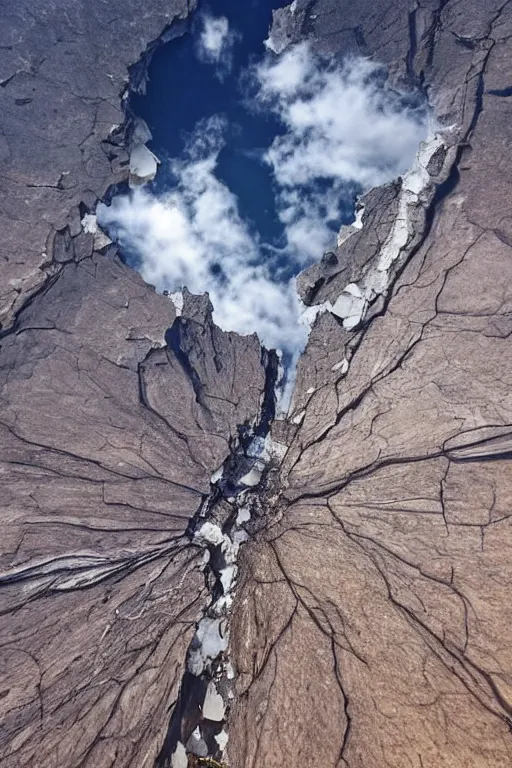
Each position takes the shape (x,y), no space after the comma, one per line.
(263,450)
(91,227)
(227,577)
(90,223)
(252,478)
(177,300)
(243,516)
(143,165)
(212,640)
(179,757)
(213,706)
(274,449)
(354,290)
(349,306)
(342,366)
(298,418)
(239,537)
(209,533)
(311,391)
(222,739)
(414,183)
(351,321)
(222,605)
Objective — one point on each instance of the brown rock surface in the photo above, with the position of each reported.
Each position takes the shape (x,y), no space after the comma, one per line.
(372,627)
(109,435)
(108,445)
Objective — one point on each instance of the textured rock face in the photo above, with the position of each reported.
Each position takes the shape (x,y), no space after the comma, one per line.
(371,626)
(109,436)
(108,444)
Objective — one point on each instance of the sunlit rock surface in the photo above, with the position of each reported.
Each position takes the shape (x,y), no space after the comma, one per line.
(371,625)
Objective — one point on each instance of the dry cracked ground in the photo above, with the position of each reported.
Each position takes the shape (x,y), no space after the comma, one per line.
(371,625)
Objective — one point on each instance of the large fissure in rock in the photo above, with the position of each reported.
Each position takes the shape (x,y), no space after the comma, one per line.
(243,198)
(220,526)
(239,489)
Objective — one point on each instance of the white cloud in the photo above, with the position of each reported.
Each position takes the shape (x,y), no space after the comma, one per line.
(341,122)
(214,43)
(343,125)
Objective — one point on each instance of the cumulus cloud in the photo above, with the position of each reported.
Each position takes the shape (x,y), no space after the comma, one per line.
(341,122)
(194,236)
(214,44)
(344,124)
(343,130)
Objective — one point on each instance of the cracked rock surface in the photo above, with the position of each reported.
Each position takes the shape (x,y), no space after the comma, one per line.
(62,72)
(114,413)
(109,439)
(372,624)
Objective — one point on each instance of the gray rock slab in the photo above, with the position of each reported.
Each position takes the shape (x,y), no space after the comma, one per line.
(372,616)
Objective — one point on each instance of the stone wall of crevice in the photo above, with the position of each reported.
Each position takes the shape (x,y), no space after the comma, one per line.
(64,81)
(371,619)
(106,451)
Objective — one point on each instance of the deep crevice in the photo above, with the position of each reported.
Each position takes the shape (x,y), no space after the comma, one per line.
(187,710)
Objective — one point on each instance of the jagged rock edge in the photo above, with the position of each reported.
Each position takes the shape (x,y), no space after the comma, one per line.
(435,193)
(208,669)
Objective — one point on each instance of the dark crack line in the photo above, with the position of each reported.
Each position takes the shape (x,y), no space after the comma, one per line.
(434,642)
